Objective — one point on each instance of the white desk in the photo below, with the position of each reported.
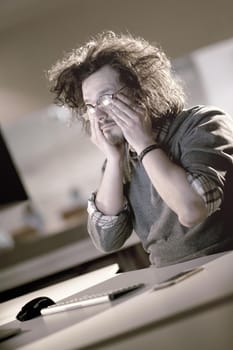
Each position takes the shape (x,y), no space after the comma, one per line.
(194,314)
(58,291)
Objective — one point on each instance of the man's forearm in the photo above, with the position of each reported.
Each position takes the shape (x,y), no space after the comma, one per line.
(110,197)
(170,181)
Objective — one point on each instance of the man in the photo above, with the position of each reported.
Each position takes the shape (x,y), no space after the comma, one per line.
(168,173)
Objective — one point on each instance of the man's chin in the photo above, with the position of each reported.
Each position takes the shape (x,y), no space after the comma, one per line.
(113,139)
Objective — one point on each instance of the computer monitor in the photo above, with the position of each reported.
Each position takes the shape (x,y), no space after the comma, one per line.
(12,189)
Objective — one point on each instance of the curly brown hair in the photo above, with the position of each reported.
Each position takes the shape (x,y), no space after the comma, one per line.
(143,68)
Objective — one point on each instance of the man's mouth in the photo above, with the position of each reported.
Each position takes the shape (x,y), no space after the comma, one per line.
(107,125)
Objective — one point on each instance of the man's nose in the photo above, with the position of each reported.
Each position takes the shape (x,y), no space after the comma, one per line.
(100,114)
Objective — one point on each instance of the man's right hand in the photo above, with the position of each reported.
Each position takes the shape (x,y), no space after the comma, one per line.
(113,152)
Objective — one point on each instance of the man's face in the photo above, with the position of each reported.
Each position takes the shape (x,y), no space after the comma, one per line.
(103,82)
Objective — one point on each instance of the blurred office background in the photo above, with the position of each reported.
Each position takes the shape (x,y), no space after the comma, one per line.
(56,161)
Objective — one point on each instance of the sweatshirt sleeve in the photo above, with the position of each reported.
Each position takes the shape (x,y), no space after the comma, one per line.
(206,151)
(108,233)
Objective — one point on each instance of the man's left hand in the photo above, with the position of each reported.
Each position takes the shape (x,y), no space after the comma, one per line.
(135,127)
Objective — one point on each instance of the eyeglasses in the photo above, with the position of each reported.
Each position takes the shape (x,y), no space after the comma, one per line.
(103,101)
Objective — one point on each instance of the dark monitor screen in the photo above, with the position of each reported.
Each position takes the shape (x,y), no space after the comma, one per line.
(12,189)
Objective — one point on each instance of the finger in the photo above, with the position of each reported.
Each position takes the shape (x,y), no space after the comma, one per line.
(119,115)
(124,104)
(95,131)
(124,99)
(98,131)
(129,103)
(121,121)
(122,107)
(91,125)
